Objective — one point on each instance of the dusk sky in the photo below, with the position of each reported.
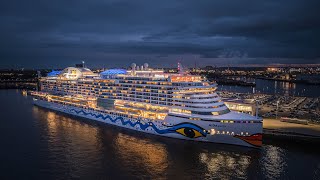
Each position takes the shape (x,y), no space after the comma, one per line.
(116,33)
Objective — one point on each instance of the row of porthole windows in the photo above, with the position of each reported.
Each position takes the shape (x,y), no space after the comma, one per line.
(191,102)
(231,121)
(213,132)
(182,97)
(216,113)
(210,107)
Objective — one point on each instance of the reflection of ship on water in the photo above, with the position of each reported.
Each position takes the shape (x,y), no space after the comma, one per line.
(69,142)
(142,154)
(79,140)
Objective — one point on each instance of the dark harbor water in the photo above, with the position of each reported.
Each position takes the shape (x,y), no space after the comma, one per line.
(275,87)
(41,144)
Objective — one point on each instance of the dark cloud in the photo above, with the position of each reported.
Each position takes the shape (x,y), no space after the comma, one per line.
(41,33)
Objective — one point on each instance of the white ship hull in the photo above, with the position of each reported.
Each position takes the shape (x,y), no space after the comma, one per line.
(243,134)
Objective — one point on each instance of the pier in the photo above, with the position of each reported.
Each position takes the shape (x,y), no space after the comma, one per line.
(274,129)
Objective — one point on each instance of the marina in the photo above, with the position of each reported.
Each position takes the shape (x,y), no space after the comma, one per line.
(280,106)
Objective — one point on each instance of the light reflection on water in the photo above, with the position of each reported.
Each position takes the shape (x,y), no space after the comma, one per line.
(150,157)
(223,165)
(60,146)
(274,162)
(275,87)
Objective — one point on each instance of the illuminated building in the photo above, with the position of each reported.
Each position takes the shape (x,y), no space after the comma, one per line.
(243,106)
(174,105)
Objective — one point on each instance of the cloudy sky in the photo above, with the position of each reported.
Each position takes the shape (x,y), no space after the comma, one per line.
(114,33)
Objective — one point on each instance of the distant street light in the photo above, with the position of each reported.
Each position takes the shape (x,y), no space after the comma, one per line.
(277,109)
(257,108)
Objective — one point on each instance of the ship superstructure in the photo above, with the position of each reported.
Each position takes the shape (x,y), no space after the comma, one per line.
(175,105)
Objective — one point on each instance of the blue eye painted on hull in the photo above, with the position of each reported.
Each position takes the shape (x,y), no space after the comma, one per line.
(189,130)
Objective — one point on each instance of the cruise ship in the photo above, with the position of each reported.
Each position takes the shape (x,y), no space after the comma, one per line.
(176,105)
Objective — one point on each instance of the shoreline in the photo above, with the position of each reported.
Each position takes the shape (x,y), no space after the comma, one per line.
(274,129)
(290,81)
